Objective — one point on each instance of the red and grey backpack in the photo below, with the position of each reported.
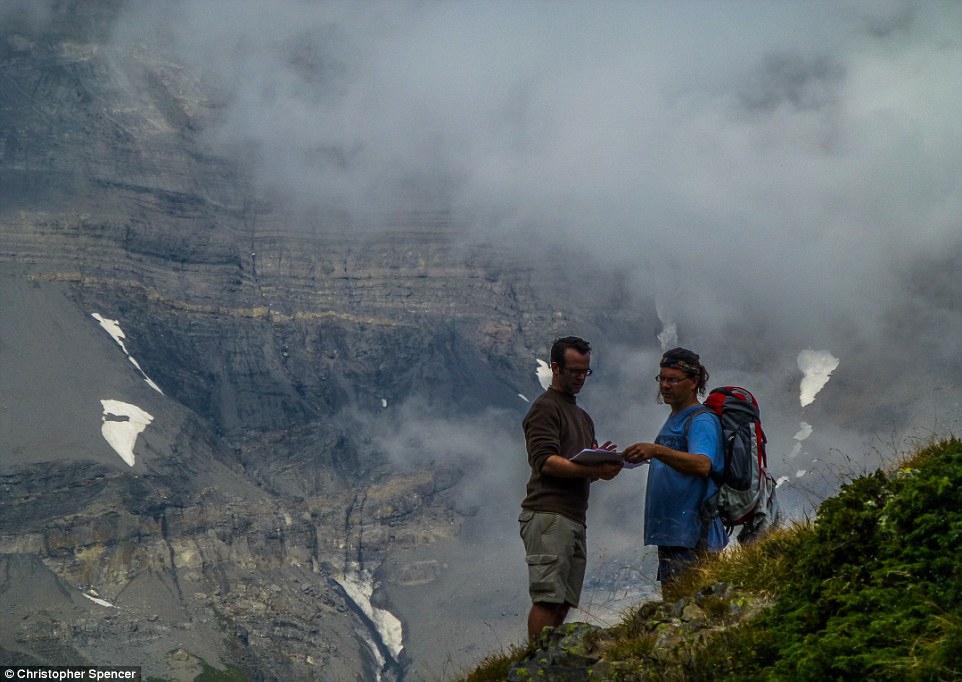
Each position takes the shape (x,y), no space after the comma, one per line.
(746,491)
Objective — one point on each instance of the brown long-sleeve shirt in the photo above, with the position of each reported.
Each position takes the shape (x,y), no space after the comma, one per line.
(555,425)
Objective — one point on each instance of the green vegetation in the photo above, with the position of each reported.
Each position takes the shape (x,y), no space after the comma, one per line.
(495,667)
(871,589)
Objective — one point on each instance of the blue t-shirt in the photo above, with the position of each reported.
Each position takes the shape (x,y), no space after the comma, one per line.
(672,499)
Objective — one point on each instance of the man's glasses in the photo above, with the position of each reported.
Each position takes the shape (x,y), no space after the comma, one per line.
(578,372)
(671,381)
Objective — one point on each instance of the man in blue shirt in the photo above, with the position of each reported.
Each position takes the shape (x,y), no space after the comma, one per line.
(688,448)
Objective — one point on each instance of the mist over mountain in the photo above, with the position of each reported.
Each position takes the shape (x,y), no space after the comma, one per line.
(338,237)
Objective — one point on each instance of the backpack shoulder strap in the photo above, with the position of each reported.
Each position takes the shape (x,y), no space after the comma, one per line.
(691,418)
(705,516)
(717,478)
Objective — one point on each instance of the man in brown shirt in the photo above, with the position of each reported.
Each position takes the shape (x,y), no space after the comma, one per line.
(554,509)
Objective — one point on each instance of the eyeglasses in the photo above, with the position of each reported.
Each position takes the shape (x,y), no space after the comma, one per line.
(579,372)
(671,381)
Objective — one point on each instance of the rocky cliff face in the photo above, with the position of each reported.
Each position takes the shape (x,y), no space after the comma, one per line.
(251,526)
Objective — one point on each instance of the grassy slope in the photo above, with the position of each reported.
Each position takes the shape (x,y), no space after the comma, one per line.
(869,590)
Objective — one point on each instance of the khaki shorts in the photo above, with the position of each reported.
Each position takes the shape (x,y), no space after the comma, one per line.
(556,556)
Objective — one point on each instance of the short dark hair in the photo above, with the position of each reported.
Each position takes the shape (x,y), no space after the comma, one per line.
(559,347)
(688,362)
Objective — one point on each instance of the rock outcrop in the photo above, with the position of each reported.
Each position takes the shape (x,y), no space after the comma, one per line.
(666,637)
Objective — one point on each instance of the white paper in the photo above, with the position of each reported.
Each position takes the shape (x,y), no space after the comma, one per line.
(592,456)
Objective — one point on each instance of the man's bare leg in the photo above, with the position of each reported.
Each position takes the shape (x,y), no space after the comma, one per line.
(545,614)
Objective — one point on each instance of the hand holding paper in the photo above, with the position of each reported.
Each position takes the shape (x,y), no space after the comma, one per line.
(598,456)
(603,455)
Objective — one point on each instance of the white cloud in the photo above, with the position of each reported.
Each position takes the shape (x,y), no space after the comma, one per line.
(749,162)
(771,176)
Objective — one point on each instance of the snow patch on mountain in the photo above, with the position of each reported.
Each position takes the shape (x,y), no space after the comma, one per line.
(816,366)
(122,423)
(544,374)
(359,587)
(112,327)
